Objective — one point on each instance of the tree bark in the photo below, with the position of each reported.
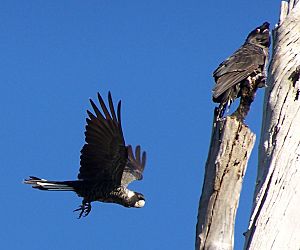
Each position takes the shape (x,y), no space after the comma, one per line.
(275,219)
(231,145)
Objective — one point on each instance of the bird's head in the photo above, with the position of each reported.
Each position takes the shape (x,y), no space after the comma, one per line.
(136,199)
(139,200)
(260,35)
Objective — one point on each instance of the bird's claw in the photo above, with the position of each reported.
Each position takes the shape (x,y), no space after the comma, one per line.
(85,209)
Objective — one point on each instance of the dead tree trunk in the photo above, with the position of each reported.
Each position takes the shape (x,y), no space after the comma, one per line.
(231,146)
(275,219)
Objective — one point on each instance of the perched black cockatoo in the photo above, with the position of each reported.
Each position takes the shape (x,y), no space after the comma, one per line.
(244,69)
(107,165)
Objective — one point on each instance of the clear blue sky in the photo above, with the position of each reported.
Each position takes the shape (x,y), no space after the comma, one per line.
(157,57)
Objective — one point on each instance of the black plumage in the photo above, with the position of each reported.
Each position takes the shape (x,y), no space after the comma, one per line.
(244,69)
(107,165)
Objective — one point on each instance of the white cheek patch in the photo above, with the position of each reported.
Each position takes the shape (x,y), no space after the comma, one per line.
(130,194)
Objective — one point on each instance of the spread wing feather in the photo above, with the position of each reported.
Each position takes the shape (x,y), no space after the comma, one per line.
(104,155)
(135,166)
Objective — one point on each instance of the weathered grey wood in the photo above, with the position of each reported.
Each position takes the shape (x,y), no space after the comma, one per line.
(231,146)
(275,219)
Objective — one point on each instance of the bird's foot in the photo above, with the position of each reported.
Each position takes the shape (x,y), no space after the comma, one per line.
(262,82)
(85,208)
(239,115)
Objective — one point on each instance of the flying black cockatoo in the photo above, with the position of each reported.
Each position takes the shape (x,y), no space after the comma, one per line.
(107,165)
(242,73)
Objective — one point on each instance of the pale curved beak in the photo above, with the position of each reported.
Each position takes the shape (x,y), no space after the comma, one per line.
(139,204)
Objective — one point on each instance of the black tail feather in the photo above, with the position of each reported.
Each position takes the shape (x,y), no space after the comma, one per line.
(43,184)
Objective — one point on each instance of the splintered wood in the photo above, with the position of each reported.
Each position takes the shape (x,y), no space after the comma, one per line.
(231,145)
(275,219)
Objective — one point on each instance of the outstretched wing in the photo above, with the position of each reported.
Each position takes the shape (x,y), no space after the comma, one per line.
(134,167)
(104,156)
(238,67)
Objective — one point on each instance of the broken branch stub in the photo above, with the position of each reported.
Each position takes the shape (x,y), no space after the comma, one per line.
(231,145)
